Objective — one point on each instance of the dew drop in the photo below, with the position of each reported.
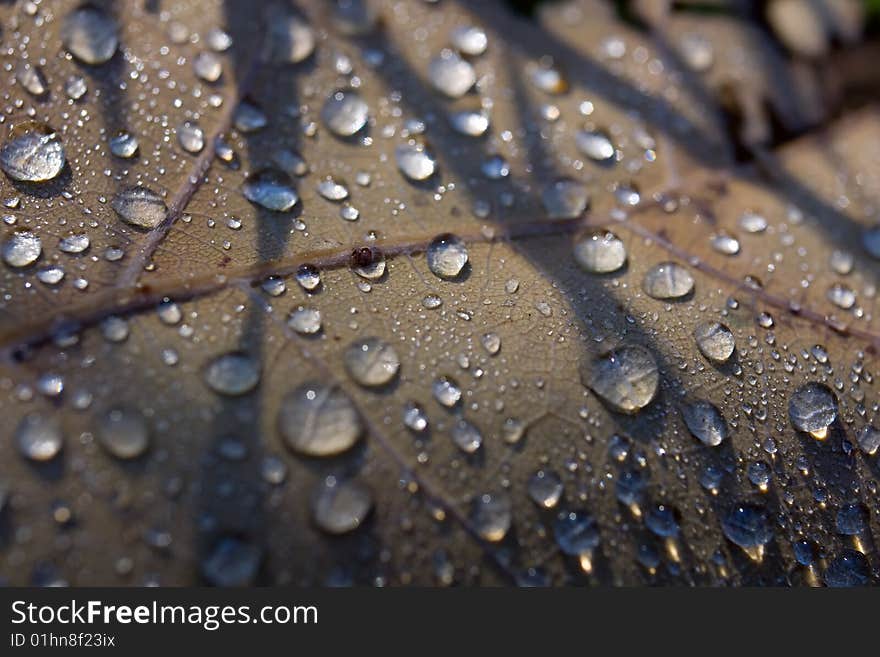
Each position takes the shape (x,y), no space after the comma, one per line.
(232,374)
(470,122)
(446,391)
(868,438)
(271,189)
(626,378)
(123,433)
(415,162)
(415,418)
(705,422)
(565,199)
(491,516)
(595,145)
(371,362)
(812,409)
(668,280)
(600,252)
(23,248)
(319,420)
(191,137)
(447,256)
(208,66)
(305,321)
(140,207)
(469,40)
(90,35)
(345,113)
(451,75)
(33,153)
(38,437)
(340,507)
(748,526)
(715,341)
(545,489)
(576,534)
(291,39)
(308,277)
(124,145)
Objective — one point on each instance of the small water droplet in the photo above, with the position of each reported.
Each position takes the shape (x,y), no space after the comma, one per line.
(123,433)
(271,189)
(451,75)
(600,252)
(371,362)
(668,280)
(715,341)
(38,437)
(626,378)
(140,207)
(345,113)
(705,422)
(232,374)
(340,507)
(812,409)
(447,255)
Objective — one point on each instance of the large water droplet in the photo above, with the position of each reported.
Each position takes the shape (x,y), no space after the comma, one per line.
(626,378)
(232,374)
(469,40)
(414,161)
(191,137)
(38,437)
(600,252)
(345,113)
(339,507)
(668,280)
(271,189)
(705,422)
(319,420)
(89,34)
(447,255)
(124,145)
(371,362)
(470,122)
(491,516)
(123,433)
(446,391)
(451,75)
(545,488)
(748,526)
(595,145)
(140,206)
(715,341)
(812,409)
(565,199)
(33,153)
(23,248)
(291,39)
(466,436)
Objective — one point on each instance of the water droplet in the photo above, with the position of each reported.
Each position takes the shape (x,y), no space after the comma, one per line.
(249,118)
(812,409)
(291,39)
(124,145)
(668,280)
(548,78)
(842,296)
(368,263)
(451,75)
(305,321)
(446,391)
(748,526)
(545,488)
(470,122)
(725,244)
(565,199)
(715,341)
(50,275)
(271,189)
(33,153)
(38,437)
(869,439)
(595,145)
(345,113)
(32,79)
(123,433)
(319,420)
(469,40)
(415,162)
(466,436)
(232,563)
(308,277)
(414,417)
(191,137)
(23,248)
(114,329)
(495,168)
(491,516)
(447,256)
(208,66)
(697,51)
(752,222)
(332,190)
(140,207)
(89,34)
(169,312)
(491,343)
(841,262)
(626,378)
(75,87)
(371,362)
(705,422)
(600,252)
(576,533)
(232,374)
(848,569)
(339,507)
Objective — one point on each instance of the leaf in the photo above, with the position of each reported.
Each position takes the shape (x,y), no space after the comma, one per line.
(542,413)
